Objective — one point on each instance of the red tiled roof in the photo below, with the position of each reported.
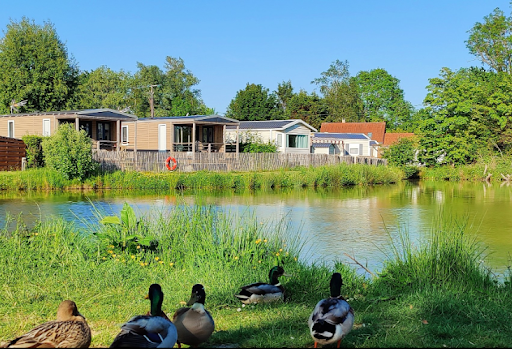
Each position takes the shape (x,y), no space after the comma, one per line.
(377,129)
(390,138)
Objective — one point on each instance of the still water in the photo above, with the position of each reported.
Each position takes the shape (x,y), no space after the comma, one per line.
(357,221)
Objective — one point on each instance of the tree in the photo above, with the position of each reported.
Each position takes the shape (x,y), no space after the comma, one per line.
(284,94)
(467,113)
(103,88)
(253,103)
(173,94)
(491,41)
(35,66)
(70,152)
(340,93)
(382,98)
(308,107)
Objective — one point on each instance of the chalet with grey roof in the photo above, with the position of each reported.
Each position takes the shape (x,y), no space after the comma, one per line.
(191,133)
(102,125)
(290,136)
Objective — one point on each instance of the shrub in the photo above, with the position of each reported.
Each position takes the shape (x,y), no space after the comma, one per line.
(34,151)
(252,143)
(69,152)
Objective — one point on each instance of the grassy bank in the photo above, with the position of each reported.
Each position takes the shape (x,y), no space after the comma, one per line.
(435,295)
(326,176)
(489,168)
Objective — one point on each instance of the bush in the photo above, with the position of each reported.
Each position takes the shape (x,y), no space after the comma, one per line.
(401,153)
(69,152)
(34,151)
(252,143)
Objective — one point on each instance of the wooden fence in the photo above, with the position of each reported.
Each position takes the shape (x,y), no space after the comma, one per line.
(149,161)
(12,151)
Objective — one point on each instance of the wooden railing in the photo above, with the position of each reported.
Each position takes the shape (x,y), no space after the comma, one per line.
(153,161)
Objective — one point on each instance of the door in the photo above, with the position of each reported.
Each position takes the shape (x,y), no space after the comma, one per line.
(162,137)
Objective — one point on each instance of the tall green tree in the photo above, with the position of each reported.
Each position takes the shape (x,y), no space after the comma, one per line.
(468,112)
(35,66)
(284,94)
(103,88)
(491,41)
(310,108)
(340,93)
(173,91)
(383,99)
(254,103)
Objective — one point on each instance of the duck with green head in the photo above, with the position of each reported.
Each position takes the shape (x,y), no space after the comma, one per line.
(148,331)
(260,292)
(333,318)
(195,324)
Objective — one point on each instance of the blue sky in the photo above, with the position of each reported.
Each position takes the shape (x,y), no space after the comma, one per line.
(227,44)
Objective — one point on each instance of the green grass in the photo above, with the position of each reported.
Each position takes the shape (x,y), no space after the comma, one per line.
(434,295)
(326,176)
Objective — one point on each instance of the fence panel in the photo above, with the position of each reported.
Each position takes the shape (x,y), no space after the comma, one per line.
(12,151)
(153,161)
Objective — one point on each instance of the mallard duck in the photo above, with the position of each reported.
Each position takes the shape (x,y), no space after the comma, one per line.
(262,292)
(333,318)
(70,330)
(148,331)
(195,325)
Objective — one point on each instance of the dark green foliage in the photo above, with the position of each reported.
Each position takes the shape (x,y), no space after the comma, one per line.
(254,103)
(35,66)
(69,152)
(491,41)
(383,99)
(400,153)
(34,149)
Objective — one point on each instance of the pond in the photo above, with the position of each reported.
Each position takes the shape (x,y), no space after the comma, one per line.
(349,224)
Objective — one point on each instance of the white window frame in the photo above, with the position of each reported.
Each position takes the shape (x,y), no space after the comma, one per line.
(352,148)
(124,140)
(279,140)
(10,129)
(46,132)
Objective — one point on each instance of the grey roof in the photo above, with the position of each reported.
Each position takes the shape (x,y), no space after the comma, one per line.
(189,118)
(324,135)
(269,124)
(95,113)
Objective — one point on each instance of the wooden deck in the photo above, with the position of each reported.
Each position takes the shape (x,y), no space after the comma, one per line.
(150,161)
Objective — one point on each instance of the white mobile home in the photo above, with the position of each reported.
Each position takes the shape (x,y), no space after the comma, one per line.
(354,144)
(290,136)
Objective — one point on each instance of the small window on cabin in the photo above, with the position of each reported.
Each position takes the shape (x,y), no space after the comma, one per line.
(87,127)
(279,140)
(10,132)
(124,134)
(297,141)
(207,134)
(370,134)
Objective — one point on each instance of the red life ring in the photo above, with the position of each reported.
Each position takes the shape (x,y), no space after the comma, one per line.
(168,161)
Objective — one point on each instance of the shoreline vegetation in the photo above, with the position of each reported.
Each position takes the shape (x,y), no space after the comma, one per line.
(439,294)
(324,176)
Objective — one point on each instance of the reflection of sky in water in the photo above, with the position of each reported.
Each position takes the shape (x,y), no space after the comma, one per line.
(331,224)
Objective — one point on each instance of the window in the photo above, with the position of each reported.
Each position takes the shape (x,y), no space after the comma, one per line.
(87,126)
(297,141)
(10,131)
(124,134)
(207,134)
(279,140)
(46,127)
(182,134)
(354,151)
(103,131)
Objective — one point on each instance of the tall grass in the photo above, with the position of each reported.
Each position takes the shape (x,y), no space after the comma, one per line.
(450,257)
(324,176)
